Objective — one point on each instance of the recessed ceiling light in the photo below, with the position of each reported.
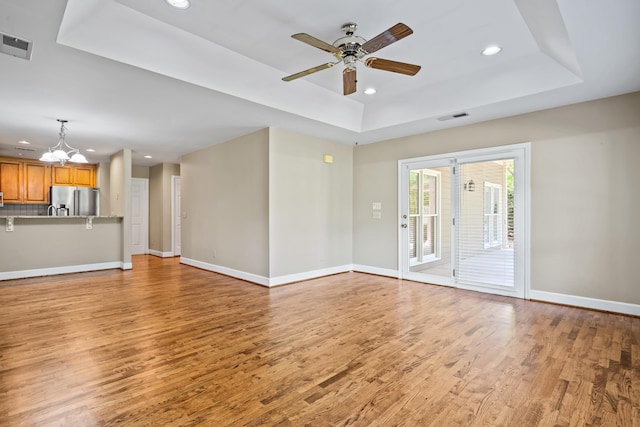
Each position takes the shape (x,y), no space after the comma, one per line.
(369,91)
(179,4)
(491,50)
(148,157)
(90,150)
(24,142)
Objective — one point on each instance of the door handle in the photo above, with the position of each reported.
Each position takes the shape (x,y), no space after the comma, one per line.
(404,225)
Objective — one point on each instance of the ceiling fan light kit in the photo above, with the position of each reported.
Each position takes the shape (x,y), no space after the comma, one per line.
(351,49)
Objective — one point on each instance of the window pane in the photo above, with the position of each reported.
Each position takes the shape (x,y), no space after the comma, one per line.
(482,258)
(413,192)
(429,236)
(413,231)
(430,199)
(487,199)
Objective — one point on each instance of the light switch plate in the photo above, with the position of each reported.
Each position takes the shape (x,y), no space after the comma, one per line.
(377,215)
(377,206)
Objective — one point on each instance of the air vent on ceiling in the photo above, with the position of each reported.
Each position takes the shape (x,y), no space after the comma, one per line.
(452,116)
(31,150)
(15,46)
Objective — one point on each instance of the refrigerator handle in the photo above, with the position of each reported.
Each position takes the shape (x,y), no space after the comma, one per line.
(76,202)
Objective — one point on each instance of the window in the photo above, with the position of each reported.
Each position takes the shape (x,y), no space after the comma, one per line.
(492,215)
(424,216)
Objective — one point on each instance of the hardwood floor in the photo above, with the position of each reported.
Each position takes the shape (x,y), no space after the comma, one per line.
(171,345)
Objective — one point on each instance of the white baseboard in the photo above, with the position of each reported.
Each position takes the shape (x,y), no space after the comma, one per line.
(23,274)
(266,281)
(160,254)
(249,277)
(376,270)
(283,280)
(586,302)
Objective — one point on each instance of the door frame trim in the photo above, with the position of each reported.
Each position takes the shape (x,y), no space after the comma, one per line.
(488,151)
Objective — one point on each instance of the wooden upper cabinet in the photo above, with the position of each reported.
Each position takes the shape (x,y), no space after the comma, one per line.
(11,180)
(85,175)
(24,181)
(76,175)
(28,181)
(36,183)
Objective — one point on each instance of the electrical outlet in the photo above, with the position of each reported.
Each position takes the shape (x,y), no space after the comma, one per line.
(89,223)
(9,226)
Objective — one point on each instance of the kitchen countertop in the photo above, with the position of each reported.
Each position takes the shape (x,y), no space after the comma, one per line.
(57,217)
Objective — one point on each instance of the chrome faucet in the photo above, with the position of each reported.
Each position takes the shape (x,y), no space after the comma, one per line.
(49,210)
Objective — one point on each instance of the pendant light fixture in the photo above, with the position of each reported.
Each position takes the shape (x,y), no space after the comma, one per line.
(63,152)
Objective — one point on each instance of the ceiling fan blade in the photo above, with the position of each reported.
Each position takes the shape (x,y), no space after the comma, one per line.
(309,71)
(310,40)
(392,35)
(393,66)
(349,81)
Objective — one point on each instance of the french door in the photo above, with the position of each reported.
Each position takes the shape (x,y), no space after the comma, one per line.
(463,220)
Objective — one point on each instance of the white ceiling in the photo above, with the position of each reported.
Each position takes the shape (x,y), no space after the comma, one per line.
(139,74)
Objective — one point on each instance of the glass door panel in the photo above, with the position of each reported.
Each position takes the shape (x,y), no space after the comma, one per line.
(484,256)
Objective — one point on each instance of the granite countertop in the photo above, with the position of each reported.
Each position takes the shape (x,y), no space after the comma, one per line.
(57,217)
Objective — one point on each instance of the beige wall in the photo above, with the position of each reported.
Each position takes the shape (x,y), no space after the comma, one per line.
(120,197)
(160,206)
(310,203)
(225,197)
(168,171)
(584,193)
(140,172)
(156,210)
(103,182)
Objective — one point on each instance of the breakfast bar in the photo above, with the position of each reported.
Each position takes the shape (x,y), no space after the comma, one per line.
(42,245)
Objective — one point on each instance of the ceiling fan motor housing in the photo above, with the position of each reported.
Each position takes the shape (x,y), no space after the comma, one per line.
(350,47)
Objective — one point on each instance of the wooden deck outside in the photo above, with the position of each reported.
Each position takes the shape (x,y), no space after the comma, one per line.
(171,345)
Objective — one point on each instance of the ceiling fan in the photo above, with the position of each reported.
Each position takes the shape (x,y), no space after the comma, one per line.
(351,48)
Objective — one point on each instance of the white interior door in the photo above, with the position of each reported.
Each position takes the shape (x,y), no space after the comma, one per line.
(139,216)
(176,216)
(464,220)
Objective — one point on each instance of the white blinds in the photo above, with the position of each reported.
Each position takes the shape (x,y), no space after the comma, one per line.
(485,246)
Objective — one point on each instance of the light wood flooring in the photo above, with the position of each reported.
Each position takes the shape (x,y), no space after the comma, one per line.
(172,345)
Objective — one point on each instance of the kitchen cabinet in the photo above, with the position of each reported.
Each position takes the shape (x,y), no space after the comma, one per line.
(36,183)
(24,181)
(76,175)
(11,180)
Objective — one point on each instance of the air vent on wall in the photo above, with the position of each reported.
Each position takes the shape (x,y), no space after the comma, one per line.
(452,116)
(15,46)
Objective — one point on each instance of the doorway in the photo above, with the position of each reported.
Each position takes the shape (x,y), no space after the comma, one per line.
(464,220)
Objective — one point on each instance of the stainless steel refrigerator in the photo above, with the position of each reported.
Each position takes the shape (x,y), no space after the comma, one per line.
(74,201)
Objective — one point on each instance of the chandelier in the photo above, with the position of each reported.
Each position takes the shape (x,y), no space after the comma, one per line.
(63,152)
